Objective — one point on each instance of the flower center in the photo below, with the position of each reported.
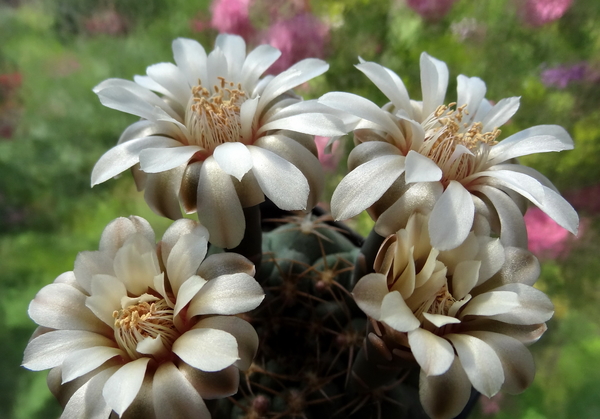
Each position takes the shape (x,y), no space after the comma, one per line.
(445,131)
(440,303)
(214,118)
(144,319)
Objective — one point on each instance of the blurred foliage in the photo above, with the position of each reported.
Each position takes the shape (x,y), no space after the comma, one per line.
(63,48)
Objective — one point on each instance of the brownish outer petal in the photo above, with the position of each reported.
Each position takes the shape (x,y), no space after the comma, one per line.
(142,406)
(308,141)
(526,334)
(189,187)
(445,396)
(212,385)
(248,190)
(225,264)
(162,192)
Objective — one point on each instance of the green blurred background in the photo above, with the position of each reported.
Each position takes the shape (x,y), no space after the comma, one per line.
(53,129)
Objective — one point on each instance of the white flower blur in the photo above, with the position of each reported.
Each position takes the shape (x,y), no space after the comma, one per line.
(145,330)
(445,158)
(215,137)
(465,314)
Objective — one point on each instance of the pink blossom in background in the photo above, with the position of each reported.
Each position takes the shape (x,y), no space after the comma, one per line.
(540,12)
(490,406)
(431,9)
(328,161)
(585,199)
(232,16)
(562,76)
(546,238)
(107,22)
(302,36)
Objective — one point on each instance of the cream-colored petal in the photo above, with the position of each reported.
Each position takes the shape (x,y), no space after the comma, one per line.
(465,277)
(452,217)
(482,365)
(433,353)
(175,231)
(534,306)
(517,361)
(491,303)
(88,264)
(187,291)
(162,192)
(396,314)
(87,402)
(107,292)
(118,231)
(207,349)
(84,360)
(61,306)
(218,206)
(241,330)
(185,257)
(227,294)
(225,264)
(51,349)
(136,264)
(234,159)
(123,386)
(369,293)
(439,320)
(174,397)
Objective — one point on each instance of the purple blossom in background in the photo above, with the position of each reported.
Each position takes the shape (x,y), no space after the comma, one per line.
(302,36)
(232,16)
(431,9)
(546,239)
(540,12)
(561,76)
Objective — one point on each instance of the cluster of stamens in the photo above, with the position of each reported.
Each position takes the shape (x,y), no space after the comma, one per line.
(214,118)
(440,303)
(444,131)
(144,319)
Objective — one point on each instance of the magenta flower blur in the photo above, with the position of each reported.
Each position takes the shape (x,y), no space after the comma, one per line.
(431,9)
(232,16)
(299,37)
(329,161)
(546,239)
(562,76)
(540,12)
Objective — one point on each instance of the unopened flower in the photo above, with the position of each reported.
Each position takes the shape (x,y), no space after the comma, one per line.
(299,37)
(329,158)
(145,330)
(431,9)
(465,314)
(232,16)
(540,12)
(219,138)
(444,158)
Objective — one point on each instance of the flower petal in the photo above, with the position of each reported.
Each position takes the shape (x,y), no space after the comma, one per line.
(471,91)
(227,294)
(219,207)
(490,304)
(234,159)
(359,190)
(241,330)
(155,160)
(185,258)
(433,353)
(421,169)
(174,397)
(61,306)
(445,396)
(87,402)
(500,113)
(535,306)
(84,360)
(482,365)
(451,218)
(162,192)
(281,181)
(234,48)
(170,76)
(51,349)
(123,156)
(107,292)
(122,387)
(517,361)
(388,82)
(118,231)
(396,314)
(187,291)
(434,82)
(225,264)
(207,349)
(190,57)
(257,61)
(465,277)
(557,208)
(212,385)
(369,293)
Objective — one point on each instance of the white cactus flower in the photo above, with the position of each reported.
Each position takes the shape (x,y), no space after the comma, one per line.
(145,329)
